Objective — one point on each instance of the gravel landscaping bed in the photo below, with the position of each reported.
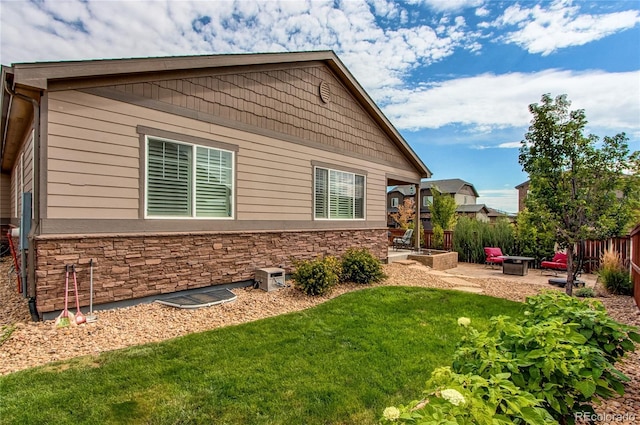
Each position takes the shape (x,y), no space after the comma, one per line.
(37,343)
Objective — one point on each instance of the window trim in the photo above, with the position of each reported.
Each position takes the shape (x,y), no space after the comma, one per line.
(316,165)
(194,146)
(396,201)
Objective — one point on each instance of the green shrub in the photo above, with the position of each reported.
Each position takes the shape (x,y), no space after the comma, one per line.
(437,239)
(470,236)
(590,318)
(316,277)
(451,398)
(561,355)
(550,360)
(617,281)
(360,266)
(615,278)
(535,237)
(584,293)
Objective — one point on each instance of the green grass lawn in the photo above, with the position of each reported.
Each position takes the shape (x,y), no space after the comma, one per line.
(341,362)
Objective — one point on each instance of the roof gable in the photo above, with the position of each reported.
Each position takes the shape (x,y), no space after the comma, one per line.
(452,186)
(370,132)
(287,100)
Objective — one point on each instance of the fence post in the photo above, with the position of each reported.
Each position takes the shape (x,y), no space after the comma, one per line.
(634,255)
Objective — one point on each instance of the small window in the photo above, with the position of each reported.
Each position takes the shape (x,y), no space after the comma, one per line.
(394,202)
(338,195)
(427,200)
(185,180)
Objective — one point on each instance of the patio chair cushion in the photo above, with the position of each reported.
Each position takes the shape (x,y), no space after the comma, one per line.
(558,262)
(493,255)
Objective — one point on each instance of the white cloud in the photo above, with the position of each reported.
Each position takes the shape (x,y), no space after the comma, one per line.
(482,12)
(448,5)
(377,56)
(500,199)
(489,102)
(380,57)
(561,25)
(509,145)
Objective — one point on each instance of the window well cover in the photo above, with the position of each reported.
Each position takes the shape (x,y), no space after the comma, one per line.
(202,299)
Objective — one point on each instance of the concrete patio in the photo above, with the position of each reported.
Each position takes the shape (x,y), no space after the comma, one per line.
(534,276)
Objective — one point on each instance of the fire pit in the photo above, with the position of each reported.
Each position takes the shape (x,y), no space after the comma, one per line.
(436,259)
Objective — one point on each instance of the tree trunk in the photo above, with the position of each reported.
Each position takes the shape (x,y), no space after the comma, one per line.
(568,287)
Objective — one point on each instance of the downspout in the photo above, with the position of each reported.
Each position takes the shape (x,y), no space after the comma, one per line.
(35,225)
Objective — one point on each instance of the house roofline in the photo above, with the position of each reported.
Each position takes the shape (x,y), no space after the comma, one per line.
(40,74)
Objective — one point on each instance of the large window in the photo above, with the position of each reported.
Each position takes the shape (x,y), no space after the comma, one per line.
(185,180)
(339,195)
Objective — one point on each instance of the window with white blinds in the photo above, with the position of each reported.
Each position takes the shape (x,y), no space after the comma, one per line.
(338,195)
(185,180)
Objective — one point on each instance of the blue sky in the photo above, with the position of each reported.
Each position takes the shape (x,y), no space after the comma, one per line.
(454,76)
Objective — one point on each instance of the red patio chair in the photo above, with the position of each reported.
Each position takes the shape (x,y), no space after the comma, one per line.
(557,263)
(493,256)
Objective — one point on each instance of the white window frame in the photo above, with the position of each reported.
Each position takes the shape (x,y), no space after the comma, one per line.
(395,202)
(194,147)
(426,200)
(364,195)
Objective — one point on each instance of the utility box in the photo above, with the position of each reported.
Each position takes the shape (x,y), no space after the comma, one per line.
(270,279)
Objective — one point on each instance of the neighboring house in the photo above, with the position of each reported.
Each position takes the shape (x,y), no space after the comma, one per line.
(185,172)
(479,212)
(463,192)
(495,215)
(523,190)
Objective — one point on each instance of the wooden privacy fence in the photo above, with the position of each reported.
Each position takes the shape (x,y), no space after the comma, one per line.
(635,263)
(593,250)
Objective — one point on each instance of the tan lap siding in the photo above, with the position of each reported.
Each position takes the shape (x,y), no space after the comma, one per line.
(5,197)
(94,163)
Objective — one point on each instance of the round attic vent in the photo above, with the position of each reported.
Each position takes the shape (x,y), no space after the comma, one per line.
(325,93)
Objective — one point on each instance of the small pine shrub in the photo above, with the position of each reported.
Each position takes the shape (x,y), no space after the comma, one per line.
(316,277)
(613,275)
(360,266)
(584,293)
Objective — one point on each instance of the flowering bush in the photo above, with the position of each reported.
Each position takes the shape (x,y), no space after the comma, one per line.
(591,319)
(452,398)
(535,371)
(391,414)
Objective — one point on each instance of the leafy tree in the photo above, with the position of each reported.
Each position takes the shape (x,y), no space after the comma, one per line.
(534,235)
(406,213)
(584,187)
(443,210)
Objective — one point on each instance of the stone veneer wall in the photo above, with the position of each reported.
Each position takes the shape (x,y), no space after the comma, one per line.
(135,266)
